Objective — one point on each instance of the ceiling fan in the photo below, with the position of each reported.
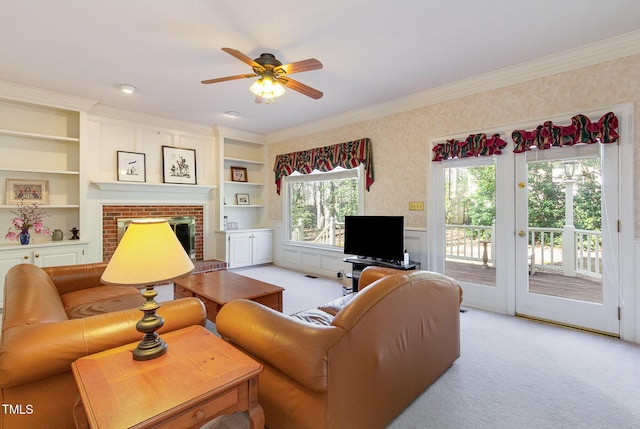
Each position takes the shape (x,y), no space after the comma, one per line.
(272,75)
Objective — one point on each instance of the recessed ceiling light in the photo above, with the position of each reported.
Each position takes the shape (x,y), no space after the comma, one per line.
(232,114)
(127,89)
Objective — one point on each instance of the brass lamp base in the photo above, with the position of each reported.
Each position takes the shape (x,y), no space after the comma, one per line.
(151,345)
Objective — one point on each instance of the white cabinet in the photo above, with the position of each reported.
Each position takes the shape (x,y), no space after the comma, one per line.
(245,248)
(42,255)
(241,239)
(262,247)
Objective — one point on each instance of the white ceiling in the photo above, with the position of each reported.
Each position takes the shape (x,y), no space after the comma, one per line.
(373,51)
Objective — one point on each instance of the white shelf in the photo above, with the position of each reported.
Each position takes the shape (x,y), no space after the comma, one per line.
(38,136)
(39,171)
(245,161)
(14,245)
(45,207)
(152,187)
(230,182)
(244,206)
(43,141)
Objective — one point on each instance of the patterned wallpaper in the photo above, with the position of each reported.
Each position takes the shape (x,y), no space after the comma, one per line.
(400,141)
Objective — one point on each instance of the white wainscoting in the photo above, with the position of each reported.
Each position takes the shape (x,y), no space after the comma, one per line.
(329,262)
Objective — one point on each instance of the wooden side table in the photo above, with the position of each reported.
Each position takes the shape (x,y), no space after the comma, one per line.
(199,378)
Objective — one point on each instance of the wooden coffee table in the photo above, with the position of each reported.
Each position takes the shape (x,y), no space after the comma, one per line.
(216,288)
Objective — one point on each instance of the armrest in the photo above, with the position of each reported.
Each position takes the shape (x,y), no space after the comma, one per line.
(373,273)
(70,278)
(33,352)
(296,348)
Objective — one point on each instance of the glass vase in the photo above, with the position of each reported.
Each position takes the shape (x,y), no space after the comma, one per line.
(25,236)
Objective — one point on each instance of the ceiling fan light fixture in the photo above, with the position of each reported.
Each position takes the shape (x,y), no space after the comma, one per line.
(265,87)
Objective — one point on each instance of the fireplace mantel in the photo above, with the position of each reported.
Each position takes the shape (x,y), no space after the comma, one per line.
(152,187)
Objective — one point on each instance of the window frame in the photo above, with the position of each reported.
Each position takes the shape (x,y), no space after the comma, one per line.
(335,174)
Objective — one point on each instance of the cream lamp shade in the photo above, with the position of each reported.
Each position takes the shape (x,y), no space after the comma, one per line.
(148,254)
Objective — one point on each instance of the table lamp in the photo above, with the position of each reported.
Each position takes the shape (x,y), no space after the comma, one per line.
(148,254)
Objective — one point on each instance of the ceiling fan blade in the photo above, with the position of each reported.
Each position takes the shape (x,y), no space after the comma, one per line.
(224,79)
(300,66)
(301,88)
(242,57)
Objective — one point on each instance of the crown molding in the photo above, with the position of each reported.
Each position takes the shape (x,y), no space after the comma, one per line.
(44,97)
(606,50)
(111,112)
(245,136)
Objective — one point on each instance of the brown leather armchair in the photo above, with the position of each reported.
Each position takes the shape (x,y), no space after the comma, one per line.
(54,316)
(357,362)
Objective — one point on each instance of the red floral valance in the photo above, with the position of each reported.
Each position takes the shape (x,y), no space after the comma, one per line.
(345,155)
(581,130)
(474,145)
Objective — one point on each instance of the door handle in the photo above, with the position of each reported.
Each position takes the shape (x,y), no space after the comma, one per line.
(521,233)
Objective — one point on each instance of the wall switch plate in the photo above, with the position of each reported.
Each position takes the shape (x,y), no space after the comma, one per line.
(416,205)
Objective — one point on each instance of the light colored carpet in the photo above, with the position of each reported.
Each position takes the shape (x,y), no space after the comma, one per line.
(301,292)
(512,373)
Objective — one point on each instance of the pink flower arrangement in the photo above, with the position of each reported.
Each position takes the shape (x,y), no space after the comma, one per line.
(27,217)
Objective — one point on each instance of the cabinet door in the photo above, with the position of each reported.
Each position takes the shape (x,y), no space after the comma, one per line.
(239,250)
(8,260)
(262,248)
(57,257)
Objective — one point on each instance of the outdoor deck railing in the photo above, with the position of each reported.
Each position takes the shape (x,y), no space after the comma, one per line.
(332,234)
(468,243)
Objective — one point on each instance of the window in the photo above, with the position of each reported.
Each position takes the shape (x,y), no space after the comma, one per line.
(317,203)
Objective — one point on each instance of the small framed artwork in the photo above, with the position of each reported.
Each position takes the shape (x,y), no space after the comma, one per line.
(30,191)
(238,174)
(132,167)
(242,199)
(178,165)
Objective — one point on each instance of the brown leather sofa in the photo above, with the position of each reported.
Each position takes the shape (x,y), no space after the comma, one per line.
(52,317)
(357,362)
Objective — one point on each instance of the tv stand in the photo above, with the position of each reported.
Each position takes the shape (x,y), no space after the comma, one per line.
(359,264)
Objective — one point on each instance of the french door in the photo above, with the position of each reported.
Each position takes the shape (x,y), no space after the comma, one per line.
(567,272)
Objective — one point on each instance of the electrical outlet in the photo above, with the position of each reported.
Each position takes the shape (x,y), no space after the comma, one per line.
(416,205)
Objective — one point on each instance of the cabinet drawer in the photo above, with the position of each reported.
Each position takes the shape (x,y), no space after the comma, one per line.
(271,301)
(180,292)
(212,308)
(207,411)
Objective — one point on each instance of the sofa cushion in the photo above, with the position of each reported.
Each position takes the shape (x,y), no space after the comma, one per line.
(337,304)
(100,299)
(315,316)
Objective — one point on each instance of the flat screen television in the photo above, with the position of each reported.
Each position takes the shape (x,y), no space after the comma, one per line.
(375,237)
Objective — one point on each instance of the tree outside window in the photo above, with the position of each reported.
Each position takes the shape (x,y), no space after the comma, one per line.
(318,204)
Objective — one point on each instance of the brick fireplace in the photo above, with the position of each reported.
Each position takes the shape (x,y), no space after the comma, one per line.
(111,214)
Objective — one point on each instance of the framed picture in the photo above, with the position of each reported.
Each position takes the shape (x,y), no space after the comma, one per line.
(27,190)
(238,174)
(242,199)
(178,165)
(132,167)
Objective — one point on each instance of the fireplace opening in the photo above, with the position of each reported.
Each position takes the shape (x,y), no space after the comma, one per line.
(184,227)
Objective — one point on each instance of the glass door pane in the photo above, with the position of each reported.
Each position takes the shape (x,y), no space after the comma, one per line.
(565,234)
(470,213)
